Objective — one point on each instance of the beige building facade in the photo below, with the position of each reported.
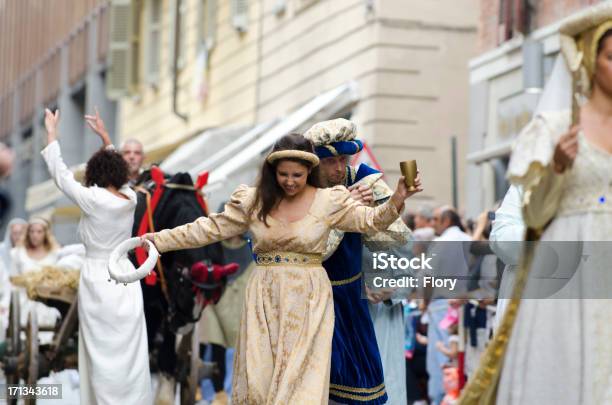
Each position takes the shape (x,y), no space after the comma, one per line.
(251,62)
(178,70)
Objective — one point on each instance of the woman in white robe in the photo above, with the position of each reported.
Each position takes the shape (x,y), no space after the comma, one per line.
(559,345)
(113,351)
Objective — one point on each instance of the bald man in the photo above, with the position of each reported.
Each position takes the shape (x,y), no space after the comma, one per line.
(133,153)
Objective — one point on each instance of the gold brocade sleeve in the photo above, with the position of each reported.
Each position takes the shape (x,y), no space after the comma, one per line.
(540,202)
(349,215)
(531,167)
(234,220)
(397,234)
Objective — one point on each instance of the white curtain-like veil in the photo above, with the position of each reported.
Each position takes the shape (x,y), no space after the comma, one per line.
(557,94)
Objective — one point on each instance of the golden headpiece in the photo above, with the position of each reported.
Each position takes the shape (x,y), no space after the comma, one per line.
(40,221)
(293,154)
(579,35)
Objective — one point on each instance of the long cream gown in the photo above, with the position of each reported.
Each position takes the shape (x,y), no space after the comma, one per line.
(284,346)
(560,350)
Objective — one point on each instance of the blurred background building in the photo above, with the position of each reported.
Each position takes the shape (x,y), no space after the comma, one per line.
(518,42)
(210,84)
(53,55)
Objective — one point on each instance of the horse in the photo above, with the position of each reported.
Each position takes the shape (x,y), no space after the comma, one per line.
(187,280)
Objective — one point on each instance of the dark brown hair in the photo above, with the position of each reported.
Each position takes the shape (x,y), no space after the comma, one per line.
(106,168)
(602,40)
(269,192)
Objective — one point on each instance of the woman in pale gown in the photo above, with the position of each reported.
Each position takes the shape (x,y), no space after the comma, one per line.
(559,346)
(113,352)
(36,250)
(284,346)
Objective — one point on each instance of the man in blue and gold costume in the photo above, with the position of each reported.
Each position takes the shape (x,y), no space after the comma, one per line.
(356,369)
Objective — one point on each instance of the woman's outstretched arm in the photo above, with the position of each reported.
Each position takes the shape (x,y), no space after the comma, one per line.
(233,221)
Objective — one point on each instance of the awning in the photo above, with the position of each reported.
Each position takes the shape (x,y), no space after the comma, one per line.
(191,153)
(228,151)
(491,152)
(243,166)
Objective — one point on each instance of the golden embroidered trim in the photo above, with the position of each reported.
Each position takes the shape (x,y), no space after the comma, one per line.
(346,281)
(353,389)
(288,259)
(230,245)
(357,397)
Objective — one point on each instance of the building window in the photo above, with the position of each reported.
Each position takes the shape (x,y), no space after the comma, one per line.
(240,15)
(207,29)
(154,41)
(124,48)
(515,17)
(135,43)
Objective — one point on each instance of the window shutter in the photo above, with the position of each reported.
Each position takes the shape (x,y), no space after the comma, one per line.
(119,55)
(154,43)
(240,15)
(136,44)
(207,29)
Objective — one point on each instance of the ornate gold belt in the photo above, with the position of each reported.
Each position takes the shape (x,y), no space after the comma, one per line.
(288,259)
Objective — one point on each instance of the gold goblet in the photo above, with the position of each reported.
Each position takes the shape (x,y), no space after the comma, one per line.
(409,171)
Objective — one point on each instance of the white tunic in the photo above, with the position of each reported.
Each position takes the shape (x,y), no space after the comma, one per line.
(113,351)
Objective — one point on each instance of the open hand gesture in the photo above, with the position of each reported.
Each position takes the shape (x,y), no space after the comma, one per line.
(51,123)
(97,125)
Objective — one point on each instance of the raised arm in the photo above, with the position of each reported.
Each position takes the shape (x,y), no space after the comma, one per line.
(349,215)
(233,221)
(397,234)
(61,175)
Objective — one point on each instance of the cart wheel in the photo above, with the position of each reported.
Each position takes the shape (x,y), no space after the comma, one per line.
(13,340)
(32,348)
(189,387)
(31,353)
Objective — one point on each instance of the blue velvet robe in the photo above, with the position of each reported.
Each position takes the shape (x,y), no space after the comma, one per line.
(356,367)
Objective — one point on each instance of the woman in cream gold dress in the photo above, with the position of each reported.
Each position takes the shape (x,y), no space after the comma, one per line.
(284,346)
(558,343)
